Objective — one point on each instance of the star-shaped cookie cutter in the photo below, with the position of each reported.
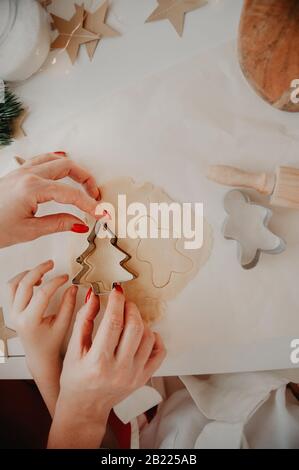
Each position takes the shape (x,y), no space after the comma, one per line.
(82,259)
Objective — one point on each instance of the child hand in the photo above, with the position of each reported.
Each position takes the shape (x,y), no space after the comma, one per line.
(98,374)
(42,337)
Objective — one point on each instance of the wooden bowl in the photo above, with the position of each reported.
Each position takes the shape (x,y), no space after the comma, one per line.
(268,47)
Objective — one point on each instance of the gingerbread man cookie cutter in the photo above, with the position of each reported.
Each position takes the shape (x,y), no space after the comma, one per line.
(247,224)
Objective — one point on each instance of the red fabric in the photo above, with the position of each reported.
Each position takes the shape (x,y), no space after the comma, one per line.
(121,431)
(24,419)
(151,413)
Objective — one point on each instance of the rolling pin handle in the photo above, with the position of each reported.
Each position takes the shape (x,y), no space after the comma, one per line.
(230,176)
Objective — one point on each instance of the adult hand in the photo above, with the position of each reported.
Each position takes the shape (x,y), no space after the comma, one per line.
(22,190)
(99,374)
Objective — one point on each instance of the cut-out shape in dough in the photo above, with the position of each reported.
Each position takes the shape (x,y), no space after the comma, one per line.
(247,223)
(171,261)
(151,300)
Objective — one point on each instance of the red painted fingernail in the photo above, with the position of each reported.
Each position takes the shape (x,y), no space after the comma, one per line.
(89,292)
(104,214)
(118,288)
(107,214)
(80,228)
(60,153)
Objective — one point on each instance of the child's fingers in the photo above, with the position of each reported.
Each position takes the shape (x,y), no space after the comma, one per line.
(66,310)
(44,158)
(83,327)
(41,300)
(13,285)
(25,287)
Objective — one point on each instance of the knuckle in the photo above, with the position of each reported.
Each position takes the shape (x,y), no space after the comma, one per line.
(24,283)
(67,163)
(94,372)
(98,367)
(134,318)
(131,307)
(137,327)
(77,195)
(42,292)
(115,323)
(148,335)
(27,180)
(51,187)
(61,225)
(11,284)
(135,323)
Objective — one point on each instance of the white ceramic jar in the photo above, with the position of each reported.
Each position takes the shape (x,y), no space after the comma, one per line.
(24,38)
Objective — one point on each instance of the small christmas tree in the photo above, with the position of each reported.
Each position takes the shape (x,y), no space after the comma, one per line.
(10,109)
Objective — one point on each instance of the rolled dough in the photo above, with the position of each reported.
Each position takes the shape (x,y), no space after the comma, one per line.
(163,266)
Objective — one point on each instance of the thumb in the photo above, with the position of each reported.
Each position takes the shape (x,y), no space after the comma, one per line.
(56,223)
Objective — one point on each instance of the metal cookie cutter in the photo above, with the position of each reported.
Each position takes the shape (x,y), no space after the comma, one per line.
(247,224)
(82,260)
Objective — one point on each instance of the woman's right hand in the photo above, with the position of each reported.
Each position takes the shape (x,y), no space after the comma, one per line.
(98,374)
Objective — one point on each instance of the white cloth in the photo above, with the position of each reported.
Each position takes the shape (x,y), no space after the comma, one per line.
(251,410)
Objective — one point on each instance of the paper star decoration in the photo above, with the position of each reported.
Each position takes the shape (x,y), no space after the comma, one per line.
(174,11)
(71,33)
(95,23)
(5,334)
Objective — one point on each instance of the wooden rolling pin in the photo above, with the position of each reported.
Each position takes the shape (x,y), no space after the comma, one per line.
(283,186)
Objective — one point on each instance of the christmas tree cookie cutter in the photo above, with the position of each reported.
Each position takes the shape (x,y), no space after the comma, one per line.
(97,285)
(247,224)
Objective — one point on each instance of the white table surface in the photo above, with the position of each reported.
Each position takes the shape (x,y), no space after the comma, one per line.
(57,93)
